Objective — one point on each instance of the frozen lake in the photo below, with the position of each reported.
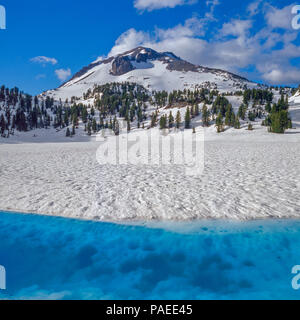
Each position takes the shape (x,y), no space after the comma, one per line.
(57,258)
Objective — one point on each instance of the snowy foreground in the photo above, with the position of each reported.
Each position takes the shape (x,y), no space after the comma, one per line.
(248,175)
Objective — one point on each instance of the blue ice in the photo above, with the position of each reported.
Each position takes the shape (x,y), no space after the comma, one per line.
(56,258)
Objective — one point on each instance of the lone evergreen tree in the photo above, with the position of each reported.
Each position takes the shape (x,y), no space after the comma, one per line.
(229,116)
(163,122)
(196,110)
(94,125)
(68,133)
(171,120)
(117,128)
(187,118)
(178,119)
(280,121)
(84,115)
(237,124)
(220,123)
(89,129)
(128,126)
(2,124)
(153,120)
(205,116)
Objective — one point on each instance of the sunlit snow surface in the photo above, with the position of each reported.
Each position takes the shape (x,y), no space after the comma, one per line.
(57,258)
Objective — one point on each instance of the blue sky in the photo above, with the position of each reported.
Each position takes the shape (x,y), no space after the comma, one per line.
(45,42)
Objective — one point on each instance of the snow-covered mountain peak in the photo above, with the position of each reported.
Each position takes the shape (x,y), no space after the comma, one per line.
(151,69)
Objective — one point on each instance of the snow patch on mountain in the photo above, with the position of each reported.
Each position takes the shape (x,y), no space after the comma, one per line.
(295,98)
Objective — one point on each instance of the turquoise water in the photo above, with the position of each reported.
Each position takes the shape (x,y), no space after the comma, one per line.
(56,258)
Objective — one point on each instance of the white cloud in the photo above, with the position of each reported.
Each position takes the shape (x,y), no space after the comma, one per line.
(129,40)
(192,27)
(44,60)
(212,4)
(235,46)
(253,7)
(63,74)
(187,31)
(279,18)
(40,76)
(151,5)
(231,55)
(279,76)
(236,28)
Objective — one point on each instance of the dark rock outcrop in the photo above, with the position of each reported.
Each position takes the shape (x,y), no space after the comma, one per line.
(121,65)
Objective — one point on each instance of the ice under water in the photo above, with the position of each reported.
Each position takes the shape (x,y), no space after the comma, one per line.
(56,258)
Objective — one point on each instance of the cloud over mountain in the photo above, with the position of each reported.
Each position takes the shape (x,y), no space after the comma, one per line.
(63,74)
(235,45)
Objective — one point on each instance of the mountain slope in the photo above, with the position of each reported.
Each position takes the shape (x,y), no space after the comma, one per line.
(153,70)
(295,98)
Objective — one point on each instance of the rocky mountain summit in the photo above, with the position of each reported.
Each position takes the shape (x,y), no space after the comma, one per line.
(151,69)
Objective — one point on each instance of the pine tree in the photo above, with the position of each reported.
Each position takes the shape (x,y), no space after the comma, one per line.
(197,110)
(242,112)
(171,120)
(163,122)
(2,124)
(237,124)
(178,119)
(232,119)
(228,116)
(89,129)
(84,115)
(280,121)
(251,116)
(220,123)
(68,133)
(94,125)
(153,120)
(128,126)
(117,128)
(205,116)
(66,119)
(268,107)
(192,112)
(187,118)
